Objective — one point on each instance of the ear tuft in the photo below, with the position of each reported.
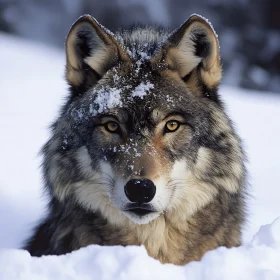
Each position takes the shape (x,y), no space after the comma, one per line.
(90,51)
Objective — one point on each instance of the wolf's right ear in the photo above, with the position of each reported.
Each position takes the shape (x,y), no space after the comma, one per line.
(90,51)
(193,52)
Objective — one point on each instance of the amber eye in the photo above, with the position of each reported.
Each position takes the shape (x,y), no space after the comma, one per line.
(172,126)
(111,126)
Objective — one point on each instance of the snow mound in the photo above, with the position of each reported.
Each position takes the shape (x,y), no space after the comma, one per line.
(257,261)
(268,235)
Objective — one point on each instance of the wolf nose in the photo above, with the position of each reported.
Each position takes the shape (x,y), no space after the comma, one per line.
(140,190)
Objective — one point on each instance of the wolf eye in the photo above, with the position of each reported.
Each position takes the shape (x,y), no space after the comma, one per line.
(172,126)
(111,126)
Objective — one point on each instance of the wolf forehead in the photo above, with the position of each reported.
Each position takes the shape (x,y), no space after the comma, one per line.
(126,99)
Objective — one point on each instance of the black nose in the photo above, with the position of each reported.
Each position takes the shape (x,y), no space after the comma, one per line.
(140,190)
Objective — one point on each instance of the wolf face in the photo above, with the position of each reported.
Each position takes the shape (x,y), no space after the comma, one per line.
(144,133)
(143,152)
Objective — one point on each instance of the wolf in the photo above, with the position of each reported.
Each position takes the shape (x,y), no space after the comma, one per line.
(143,152)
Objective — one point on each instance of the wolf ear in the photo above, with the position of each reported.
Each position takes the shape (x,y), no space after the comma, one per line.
(90,51)
(193,50)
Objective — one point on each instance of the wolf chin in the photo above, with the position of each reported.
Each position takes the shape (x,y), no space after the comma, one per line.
(143,152)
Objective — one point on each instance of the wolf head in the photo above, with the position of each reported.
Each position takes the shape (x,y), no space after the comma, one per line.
(143,132)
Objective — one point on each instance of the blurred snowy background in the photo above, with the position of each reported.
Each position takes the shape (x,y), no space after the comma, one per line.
(32,34)
(249,30)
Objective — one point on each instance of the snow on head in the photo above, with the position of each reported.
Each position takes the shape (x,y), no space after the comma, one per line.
(142,89)
(107,98)
(139,53)
(97,101)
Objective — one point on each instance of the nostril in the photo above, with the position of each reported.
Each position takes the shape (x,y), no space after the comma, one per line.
(140,190)
(130,191)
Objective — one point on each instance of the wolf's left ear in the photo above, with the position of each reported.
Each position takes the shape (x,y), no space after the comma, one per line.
(193,50)
(90,51)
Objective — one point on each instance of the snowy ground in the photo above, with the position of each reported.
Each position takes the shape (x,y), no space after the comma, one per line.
(32,89)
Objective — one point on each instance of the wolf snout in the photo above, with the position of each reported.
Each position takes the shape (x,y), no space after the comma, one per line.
(140,190)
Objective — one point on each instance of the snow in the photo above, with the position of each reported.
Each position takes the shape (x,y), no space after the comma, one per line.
(32,86)
(142,89)
(32,89)
(257,118)
(209,23)
(107,98)
(256,261)
(268,235)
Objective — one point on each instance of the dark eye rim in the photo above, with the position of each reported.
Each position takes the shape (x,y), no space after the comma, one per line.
(118,130)
(167,130)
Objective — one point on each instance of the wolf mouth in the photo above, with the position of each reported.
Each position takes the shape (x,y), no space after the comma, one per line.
(139,210)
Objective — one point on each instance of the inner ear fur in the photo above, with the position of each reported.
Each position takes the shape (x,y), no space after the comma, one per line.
(193,51)
(91,51)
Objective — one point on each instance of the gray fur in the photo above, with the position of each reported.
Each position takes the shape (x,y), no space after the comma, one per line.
(199,170)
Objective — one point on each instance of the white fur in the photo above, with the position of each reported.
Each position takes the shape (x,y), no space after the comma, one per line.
(186,57)
(98,59)
(191,194)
